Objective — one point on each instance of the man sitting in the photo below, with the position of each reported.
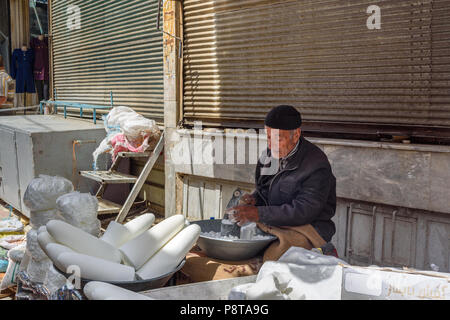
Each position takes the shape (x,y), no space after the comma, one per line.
(295,196)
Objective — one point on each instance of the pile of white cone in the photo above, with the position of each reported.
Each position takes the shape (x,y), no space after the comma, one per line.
(133,251)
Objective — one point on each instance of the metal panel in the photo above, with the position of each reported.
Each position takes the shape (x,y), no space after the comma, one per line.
(117,48)
(243,57)
(9,175)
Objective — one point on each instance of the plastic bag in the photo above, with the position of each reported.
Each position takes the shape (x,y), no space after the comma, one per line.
(54,280)
(41,218)
(37,270)
(9,225)
(127,131)
(42,192)
(9,279)
(131,123)
(10,242)
(80,210)
(33,247)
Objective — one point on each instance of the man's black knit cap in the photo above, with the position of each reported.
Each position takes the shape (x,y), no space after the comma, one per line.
(283,117)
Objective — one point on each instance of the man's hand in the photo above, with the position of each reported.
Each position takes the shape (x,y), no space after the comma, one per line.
(248,200)
(244,214)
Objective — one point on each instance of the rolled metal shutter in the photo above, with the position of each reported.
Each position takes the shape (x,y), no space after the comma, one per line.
(117,49)
(242,58)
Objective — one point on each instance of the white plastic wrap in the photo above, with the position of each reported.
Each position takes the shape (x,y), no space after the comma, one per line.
(40,218)
(135,127)
(15,257)
(42,192)
(33,247)
(25,261)
(37,270)
(130,122)
(80,210)
(11,224)
(9,279)
(17,253)
(54,280)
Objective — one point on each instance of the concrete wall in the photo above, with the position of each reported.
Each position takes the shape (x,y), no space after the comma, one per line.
(393,206)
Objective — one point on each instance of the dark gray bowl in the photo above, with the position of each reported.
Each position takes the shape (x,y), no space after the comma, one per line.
(138,285)
(224,249)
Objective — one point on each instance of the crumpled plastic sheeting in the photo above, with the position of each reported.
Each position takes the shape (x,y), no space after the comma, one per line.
(80,210)
(299,274)
(42,192)
(33,247)
(130,122)
(127,130)
(11,224)
(41,218)
(12,241)
(37,270)
(17,253)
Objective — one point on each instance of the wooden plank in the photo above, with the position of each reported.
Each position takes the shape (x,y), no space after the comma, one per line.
(134,154)
(109,176)
(141,180)
(107,207)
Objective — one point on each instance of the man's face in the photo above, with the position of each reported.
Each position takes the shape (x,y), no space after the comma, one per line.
(282,142)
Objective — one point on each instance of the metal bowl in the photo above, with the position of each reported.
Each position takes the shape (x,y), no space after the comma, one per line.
(137,285)
(227,249)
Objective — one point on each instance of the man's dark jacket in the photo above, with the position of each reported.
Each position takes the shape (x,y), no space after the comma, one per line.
(303,192)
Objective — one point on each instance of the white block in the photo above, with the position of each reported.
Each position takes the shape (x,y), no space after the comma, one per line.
(53,251)
(140,224)
(96,290)
(116,234)
(93,268)
(170,256)
(82,241)
(137,251)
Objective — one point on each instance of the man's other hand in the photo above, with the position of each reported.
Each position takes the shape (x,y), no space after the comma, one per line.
(244,214)
(247,200)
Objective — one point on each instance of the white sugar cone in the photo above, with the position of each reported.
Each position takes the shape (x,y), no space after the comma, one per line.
(53,250)
(140,224)
(82,241)
(93,268)
(170,256)
(96,290)
(116,234)
(137,251)
(44,238)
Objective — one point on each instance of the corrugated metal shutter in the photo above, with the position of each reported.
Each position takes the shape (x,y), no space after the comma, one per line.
(116,49)
(243,57)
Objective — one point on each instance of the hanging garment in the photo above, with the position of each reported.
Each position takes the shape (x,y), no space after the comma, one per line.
(22,70)
(40,67)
